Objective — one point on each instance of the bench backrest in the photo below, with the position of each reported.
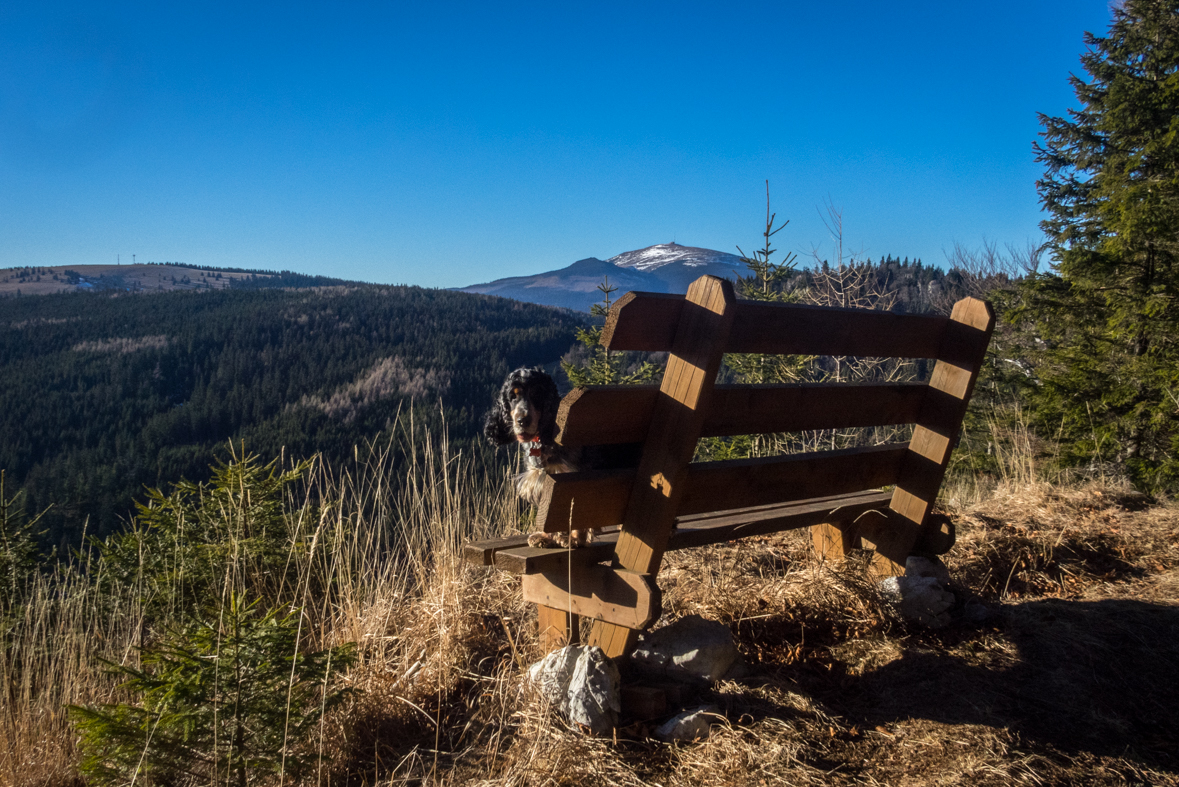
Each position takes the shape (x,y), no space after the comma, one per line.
(604,415)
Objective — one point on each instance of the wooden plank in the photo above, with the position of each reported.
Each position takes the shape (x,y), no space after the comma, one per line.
(791,329)
(620,597)
(605,414)
(767,480)
(587,498)
(539,560)
(702,529)
(599,498)
(643,321)
(482,553)
(524,559)
(613,414)
(965,340)
(833,540)
(647,321)
(757,409)
(891,540)
(685,393)
(830,503)
(556,628)
(775,519)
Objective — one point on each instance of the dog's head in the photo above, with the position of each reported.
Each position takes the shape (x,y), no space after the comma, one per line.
(525,409)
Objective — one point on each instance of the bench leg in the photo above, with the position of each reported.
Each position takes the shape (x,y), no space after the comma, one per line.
(616,641)
(556,628)
(891,539)
(893,542)
(833,540)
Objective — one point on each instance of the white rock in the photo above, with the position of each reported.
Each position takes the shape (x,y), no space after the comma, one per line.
(581,682)
(920,600)
(691,649)
(917,566)
(691,725)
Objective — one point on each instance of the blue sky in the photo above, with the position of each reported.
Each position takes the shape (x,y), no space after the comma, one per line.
(448,144)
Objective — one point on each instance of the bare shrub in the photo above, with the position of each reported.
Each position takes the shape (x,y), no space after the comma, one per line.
(122,345)
(389,378)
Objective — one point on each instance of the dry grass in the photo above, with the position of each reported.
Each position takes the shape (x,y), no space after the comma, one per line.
(1058,669)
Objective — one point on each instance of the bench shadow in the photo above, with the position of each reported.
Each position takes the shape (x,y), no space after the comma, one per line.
(1087,676)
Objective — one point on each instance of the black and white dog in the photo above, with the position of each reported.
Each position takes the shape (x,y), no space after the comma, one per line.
(525,412)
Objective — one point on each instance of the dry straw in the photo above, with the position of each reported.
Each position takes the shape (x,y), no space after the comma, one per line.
(1058,671)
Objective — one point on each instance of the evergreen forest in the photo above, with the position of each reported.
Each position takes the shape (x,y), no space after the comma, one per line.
(102,394)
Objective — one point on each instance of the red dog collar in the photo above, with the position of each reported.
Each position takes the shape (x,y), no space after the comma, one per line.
(535,449)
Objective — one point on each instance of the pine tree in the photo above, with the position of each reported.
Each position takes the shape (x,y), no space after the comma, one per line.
(766,281)
(230,700)
(19,555)
(603,366)
(1108,314)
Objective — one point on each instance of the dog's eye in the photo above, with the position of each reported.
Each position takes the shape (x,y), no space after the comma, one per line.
(515,393)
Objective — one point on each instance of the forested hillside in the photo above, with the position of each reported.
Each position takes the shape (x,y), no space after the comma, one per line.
(100,395)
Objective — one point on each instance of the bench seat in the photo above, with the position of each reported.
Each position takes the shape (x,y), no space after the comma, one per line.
(513,554)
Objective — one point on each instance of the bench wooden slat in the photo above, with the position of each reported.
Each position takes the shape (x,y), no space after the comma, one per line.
(625,598)
(599,497)
(775,519)
(489,551)
(482,553)
(648,321)
(614,414)
(965,341)
(699,530)
(538,560)
(778,479)
(685,393)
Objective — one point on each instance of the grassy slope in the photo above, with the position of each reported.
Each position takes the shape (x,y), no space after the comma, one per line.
(1059,671)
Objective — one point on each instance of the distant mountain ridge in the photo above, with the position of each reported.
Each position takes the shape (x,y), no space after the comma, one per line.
(150,277)
(665,267)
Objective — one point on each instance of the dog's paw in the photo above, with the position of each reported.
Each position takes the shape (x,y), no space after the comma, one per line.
(578,538)
(544,540)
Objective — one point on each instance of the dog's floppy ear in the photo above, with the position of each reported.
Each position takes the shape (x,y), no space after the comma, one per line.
(495,426)
(548,402)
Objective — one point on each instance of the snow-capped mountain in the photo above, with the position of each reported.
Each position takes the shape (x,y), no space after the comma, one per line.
(654,257)
(667,267)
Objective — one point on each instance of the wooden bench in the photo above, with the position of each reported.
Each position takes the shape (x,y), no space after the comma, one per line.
(669,502)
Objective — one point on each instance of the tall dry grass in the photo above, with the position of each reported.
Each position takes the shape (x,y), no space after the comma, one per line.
(376,552)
